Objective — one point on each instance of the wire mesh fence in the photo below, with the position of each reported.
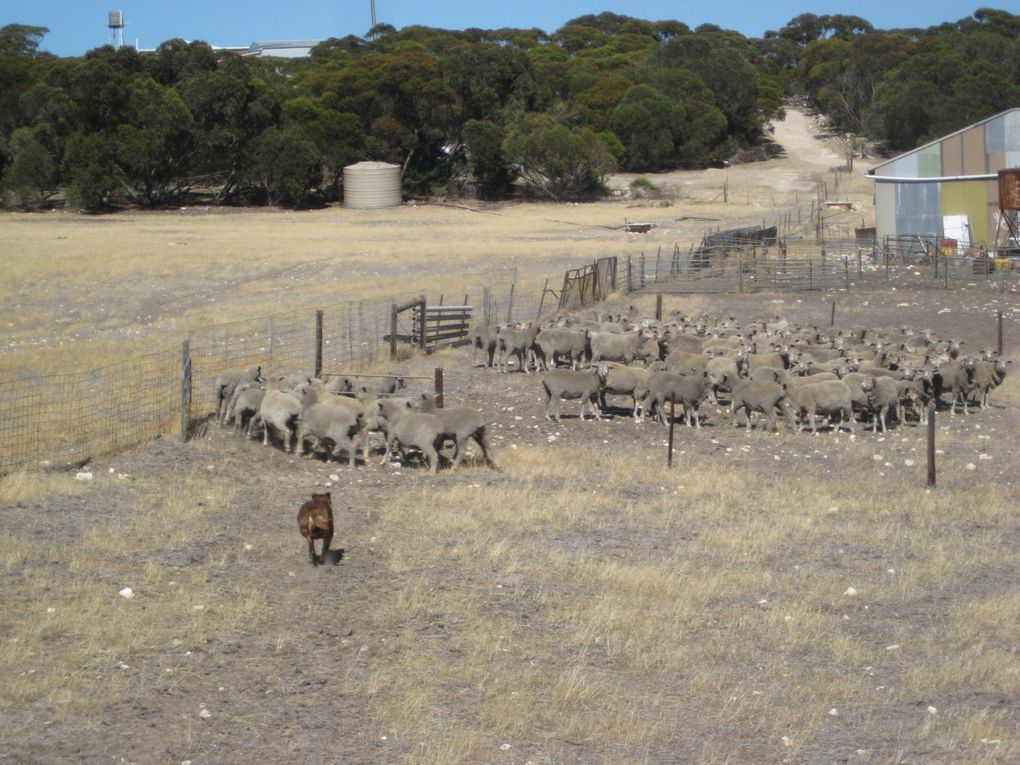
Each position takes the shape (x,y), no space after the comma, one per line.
(68,419)
(72,418)
(727,269)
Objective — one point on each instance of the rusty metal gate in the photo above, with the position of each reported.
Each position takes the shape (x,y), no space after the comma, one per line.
(588,284)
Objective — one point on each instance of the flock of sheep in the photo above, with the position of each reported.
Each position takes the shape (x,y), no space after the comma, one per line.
(772,368)
(337,416)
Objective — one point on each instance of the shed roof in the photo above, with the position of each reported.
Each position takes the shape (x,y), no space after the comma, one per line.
(873,170)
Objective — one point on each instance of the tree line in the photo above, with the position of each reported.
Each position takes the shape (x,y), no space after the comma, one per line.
(476,112)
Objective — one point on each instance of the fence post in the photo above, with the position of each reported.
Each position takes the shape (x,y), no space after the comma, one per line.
(810,275)
(642,270)
(422,329)
(439,387)
(541,302)
(672,419)
(393,331)
(350,331)
(740,272)
(999,346)
(657,256)
(658,307)
(832,318)
(945,268)
(931,444)
(486,306)
(185,390)
(510,305)
(859,263)
(630,284)
(846,272)
(318,342)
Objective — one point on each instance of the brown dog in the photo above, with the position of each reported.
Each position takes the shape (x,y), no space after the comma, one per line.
(315,521)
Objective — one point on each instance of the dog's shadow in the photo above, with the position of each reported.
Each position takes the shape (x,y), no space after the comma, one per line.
(335,556)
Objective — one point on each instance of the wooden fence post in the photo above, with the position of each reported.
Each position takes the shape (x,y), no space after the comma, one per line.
(510,305)
(931,443)
(672,418)
(630,284)
(393,331)
(832,319)
(318,342)
(439,387)
(421,326)
(658,307)
(185,390)
(999,345)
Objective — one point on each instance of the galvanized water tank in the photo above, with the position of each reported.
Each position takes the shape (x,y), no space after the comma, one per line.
(372,184)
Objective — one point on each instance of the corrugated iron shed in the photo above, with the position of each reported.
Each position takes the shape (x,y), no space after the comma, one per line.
(956,175)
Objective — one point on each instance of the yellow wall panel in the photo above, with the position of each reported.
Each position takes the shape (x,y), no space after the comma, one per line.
(968,198)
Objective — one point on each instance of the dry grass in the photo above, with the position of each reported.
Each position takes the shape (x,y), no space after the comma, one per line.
(77,648)
(735,602)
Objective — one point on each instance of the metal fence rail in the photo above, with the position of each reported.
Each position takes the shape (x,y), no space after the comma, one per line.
(719,272)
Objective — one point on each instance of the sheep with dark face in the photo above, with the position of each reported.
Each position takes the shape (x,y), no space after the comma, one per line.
(226,383)
(915,394)
(764,396)
(582,384)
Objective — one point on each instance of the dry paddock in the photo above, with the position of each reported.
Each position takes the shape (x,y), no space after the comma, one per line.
(781,598)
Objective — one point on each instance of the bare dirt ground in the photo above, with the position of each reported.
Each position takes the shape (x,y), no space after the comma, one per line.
(781,598)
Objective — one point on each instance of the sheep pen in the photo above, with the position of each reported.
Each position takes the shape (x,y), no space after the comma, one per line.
(772,598)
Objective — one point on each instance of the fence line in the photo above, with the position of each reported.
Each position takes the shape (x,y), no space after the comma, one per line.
(68,419)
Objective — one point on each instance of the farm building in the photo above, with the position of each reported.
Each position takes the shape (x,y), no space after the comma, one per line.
(949,188)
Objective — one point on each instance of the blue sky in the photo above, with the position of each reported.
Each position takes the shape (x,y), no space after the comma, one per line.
(79,25)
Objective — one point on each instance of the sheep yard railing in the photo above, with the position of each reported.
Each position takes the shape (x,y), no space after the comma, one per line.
(720,272)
